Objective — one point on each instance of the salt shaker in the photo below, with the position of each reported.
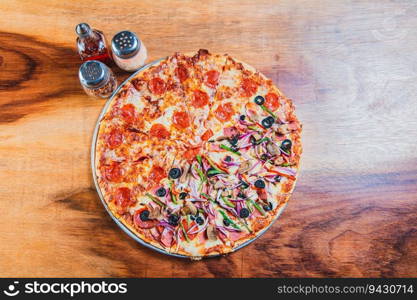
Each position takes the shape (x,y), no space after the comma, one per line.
(97,79)
(91,44)
(129,52)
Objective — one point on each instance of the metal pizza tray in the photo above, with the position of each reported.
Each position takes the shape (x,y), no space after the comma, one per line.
(116,220)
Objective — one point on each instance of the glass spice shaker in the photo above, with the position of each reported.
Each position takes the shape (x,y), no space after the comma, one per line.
(129,52)
(97,79)
(91,44)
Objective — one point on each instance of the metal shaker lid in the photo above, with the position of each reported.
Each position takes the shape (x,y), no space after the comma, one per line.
(83,29)
(125,44)
(93,74)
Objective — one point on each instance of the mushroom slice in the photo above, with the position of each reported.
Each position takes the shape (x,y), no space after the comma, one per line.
(219,185)
(154,212)
(186,168)
(191,207)
(244,167)
(273,149)
(211,233)
(283,129)
(221,138)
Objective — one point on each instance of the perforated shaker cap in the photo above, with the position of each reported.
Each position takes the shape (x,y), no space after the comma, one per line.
(93,74)
(125,44)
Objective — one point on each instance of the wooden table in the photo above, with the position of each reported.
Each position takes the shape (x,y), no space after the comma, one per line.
(351,68)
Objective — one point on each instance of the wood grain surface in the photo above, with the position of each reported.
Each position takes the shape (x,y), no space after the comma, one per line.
(351,68)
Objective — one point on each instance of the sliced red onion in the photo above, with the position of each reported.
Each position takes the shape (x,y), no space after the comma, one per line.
(206,165)
(222,230)
(202,228)
(269,178)
(283,152)
(285,170)
(230,164)
(245,135)
(211,210)
(254,166)
(232,229)
(166,225)
(192,228)
(236,200)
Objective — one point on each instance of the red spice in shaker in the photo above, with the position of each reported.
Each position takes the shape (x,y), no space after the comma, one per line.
(91,44)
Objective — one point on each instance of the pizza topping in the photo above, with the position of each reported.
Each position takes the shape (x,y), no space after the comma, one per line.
(159,131)
(272,101)
(286,145)
(128,113)
(113,172)
(157,86)
(114,139)
(260,184)
(122,198)
(249,87)
(181,120)
(199,220)
(207,135)
(156,174)
(173,220)
(145,224)
(277,178)
(259,100)
(191,208)
(182,73)
(175,173)
(224,112)
(167,237)
(156,200)
(161,192)
(272,148)
(268,122)
(200,99)
(268,207)
(244,213)
(211,78)
(144,215)
(211,233)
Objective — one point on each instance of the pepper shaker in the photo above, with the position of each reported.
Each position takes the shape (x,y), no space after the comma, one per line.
(129,52)
(97,79)
(91,44)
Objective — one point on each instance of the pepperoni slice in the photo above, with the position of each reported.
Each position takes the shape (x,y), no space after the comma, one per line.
(143,224)
(272,101)
(211,78)
(181,120)
(224,112)
(159,131)
(122,197)
(190,154)
(113,172)
(182,73)
(200,99)
(156,174)
(114,139)
(157,86)
(249,87)
(128,113)
(207,135)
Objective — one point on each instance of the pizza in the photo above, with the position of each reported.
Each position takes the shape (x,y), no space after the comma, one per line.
(197,154)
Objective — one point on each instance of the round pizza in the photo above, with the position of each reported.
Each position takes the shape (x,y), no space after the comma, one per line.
(197,154)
